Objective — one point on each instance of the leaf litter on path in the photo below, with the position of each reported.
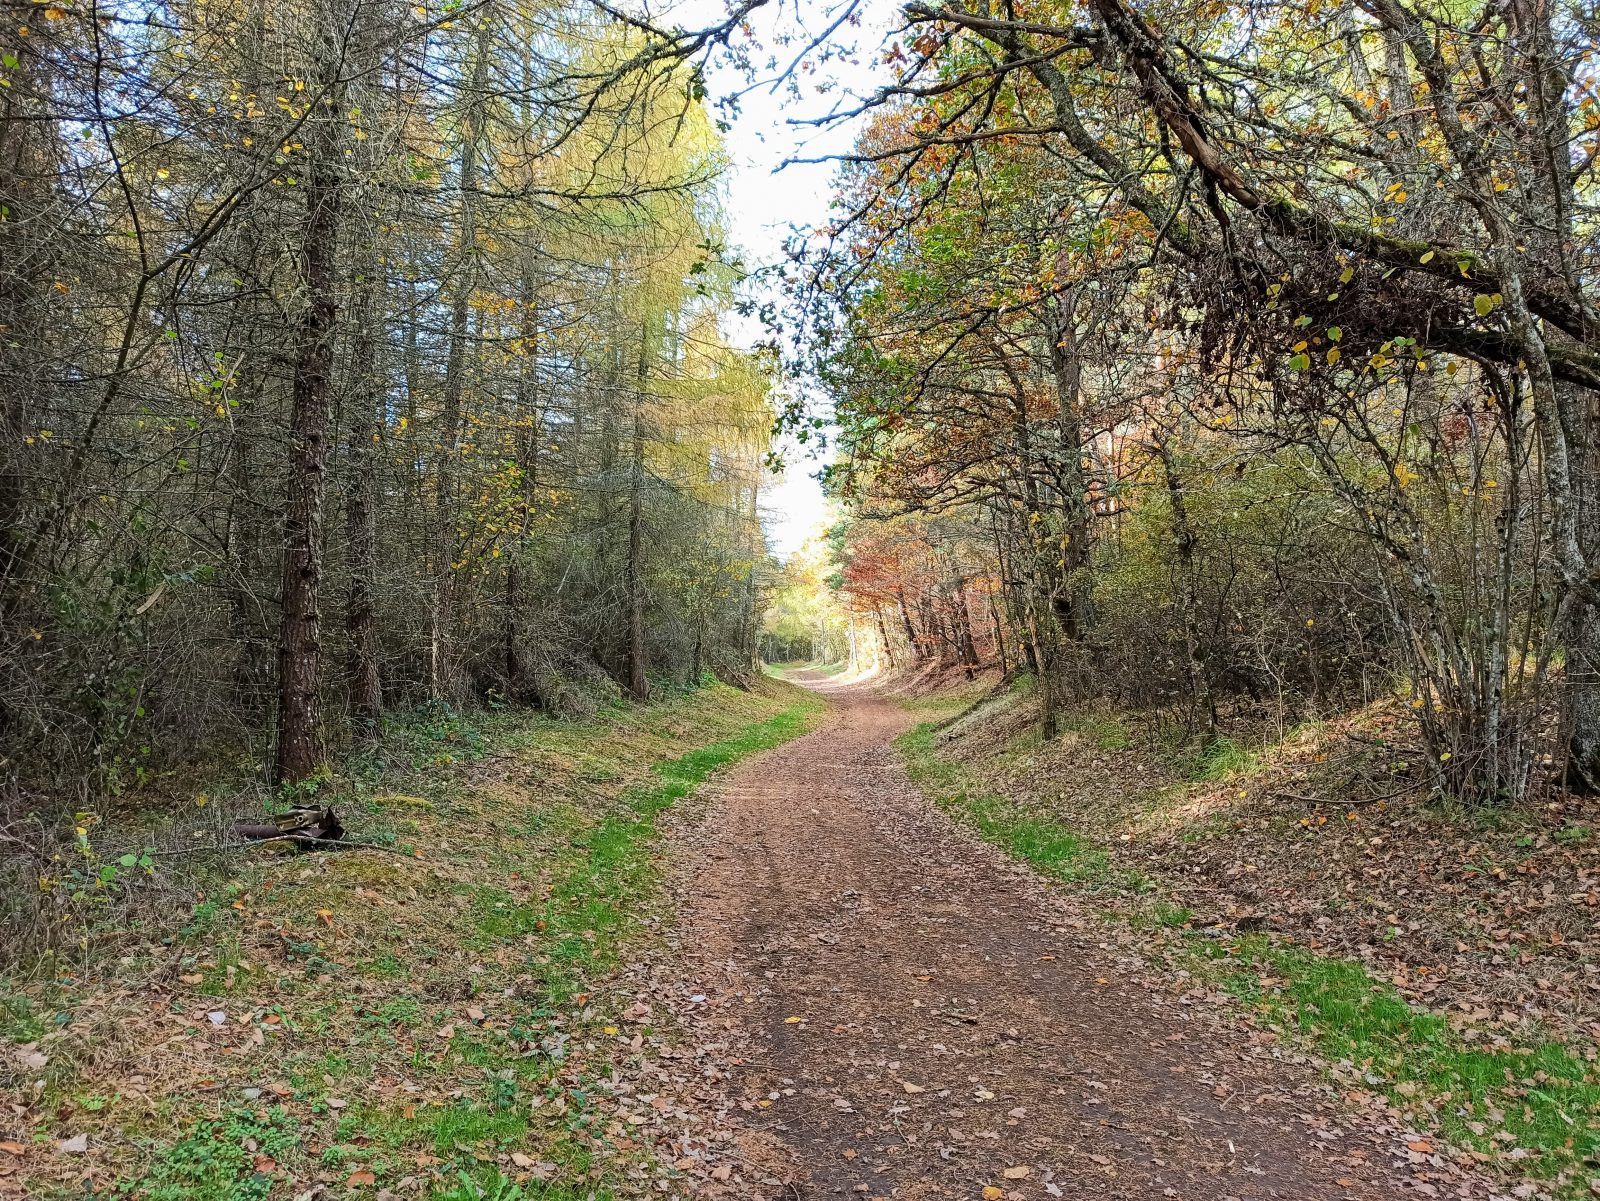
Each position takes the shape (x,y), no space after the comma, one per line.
(1072,1047)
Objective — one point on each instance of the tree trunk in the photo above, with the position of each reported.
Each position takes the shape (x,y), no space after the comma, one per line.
(1183,536)
(1069,597)
(883,634)
(443,670)
(361,626)
(528,455)
(969,645)
(299,747)
(999,637)
(29,142)
(917,652)
(1045,673)
(638,683)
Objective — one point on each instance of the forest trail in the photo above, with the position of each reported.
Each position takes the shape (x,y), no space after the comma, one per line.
(957,1019)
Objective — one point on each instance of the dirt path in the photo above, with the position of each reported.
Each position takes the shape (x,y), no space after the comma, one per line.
(957,1019)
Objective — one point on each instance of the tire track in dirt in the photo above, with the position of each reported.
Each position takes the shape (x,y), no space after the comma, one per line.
(957,1019)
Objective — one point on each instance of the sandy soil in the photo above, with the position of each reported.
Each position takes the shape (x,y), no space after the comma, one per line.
(909,1014)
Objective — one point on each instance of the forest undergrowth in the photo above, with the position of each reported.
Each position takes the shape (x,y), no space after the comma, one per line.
(434,1016)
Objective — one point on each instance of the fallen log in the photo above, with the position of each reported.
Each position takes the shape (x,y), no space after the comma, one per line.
(302,825)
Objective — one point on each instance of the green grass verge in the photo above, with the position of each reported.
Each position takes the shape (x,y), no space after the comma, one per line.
(540,871)
(593,908)
(1220,759)
(1104,730)
(1054,850)
(1534,1107)
(1543,1094)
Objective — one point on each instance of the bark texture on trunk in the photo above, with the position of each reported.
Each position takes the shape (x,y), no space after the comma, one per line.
(638,682)
(1183,537)
(299,746)
(361,533)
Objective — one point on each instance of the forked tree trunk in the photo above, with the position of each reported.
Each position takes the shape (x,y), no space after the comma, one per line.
(911,630)
(969,645)
(999,637)
(883,634)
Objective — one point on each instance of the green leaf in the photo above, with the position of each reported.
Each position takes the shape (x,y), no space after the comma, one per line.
(1483,305)
(1427,258)
(1335,333)
(129,860)
(1300,362)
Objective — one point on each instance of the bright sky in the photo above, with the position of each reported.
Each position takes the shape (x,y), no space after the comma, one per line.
(764,203)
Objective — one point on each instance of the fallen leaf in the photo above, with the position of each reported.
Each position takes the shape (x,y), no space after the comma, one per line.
(1421,1145)
(1015,1173)
(912,1088)
(361,1176)
(11,1148)
(76,1145)
(789,1021)
(990,1193)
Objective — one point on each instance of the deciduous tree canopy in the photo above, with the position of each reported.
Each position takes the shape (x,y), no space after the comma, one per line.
(1251,346)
